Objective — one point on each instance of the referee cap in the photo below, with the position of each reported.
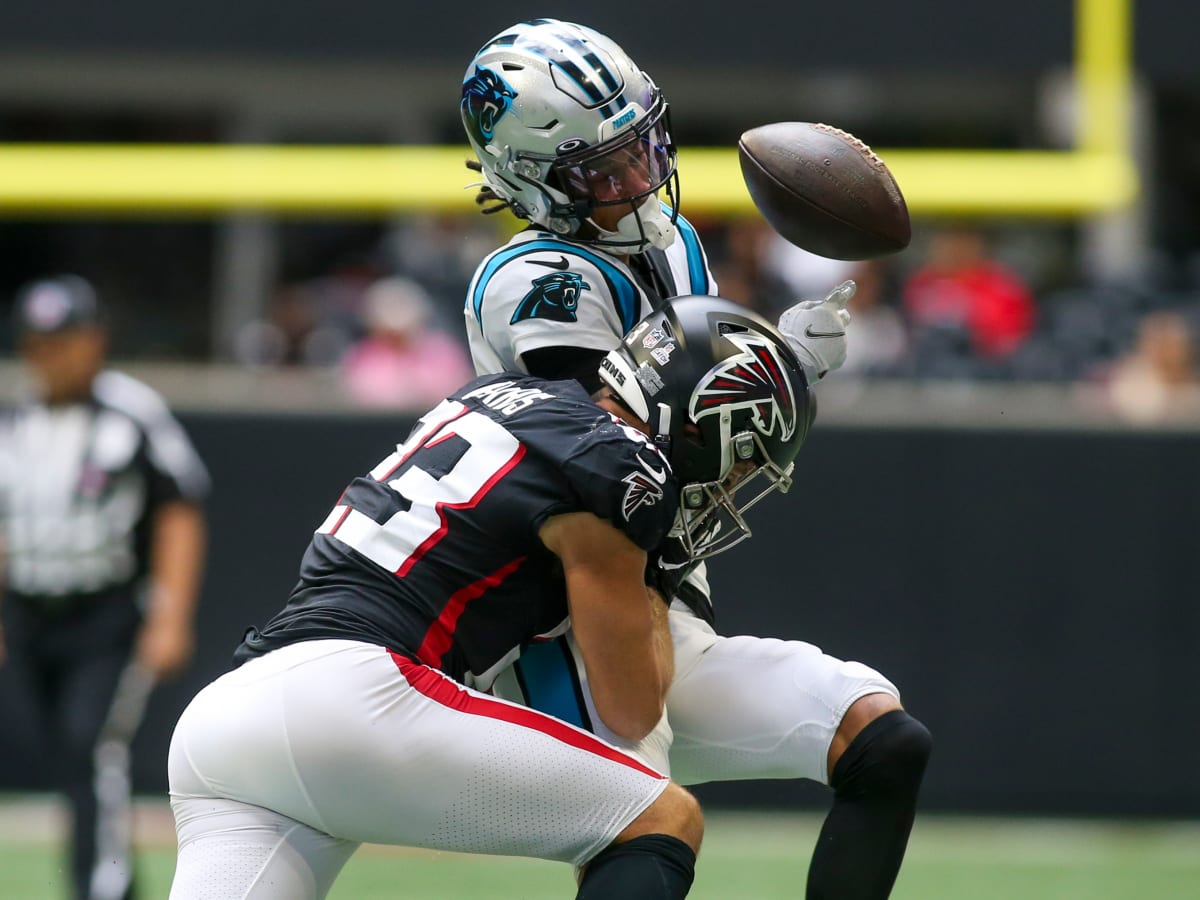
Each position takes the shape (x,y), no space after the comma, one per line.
(57,304)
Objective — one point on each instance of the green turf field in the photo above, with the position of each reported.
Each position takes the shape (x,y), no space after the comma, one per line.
(745,857)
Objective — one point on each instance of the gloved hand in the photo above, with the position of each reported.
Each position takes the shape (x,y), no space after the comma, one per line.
(816,331)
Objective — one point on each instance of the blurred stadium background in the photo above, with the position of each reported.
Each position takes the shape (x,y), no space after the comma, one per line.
(1014,505)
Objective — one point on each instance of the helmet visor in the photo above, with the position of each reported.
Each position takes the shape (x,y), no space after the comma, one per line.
(625,168)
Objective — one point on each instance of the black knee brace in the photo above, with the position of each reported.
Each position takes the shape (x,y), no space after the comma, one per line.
(653,865)
(875,785)
(886,758)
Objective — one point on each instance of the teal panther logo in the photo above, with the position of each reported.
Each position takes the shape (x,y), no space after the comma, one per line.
(554,296)
(485,99)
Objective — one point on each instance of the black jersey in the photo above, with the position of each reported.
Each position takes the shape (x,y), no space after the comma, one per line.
(435,553)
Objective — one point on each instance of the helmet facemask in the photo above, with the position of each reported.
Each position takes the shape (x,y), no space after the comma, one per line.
(711,518)
(625,170)
(726,398)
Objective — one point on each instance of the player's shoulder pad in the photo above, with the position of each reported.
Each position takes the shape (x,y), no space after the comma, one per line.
(506,394)
(691,258)
(622,476)
(542,276)
(611,469)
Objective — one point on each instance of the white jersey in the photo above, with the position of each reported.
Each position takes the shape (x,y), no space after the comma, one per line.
(541,290)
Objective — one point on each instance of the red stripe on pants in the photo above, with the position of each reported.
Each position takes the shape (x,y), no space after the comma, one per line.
(442,689)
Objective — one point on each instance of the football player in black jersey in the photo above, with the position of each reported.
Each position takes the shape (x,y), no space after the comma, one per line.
(514,509)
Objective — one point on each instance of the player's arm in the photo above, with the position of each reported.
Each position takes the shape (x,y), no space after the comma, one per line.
(177,551)
(620,626)
(560,363)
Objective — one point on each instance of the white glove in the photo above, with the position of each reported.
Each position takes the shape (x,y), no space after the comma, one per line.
(816,331)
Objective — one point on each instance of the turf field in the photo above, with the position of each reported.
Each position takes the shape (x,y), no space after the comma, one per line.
(745,857)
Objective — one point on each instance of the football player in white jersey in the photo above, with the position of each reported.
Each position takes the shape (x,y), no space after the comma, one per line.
(573,137)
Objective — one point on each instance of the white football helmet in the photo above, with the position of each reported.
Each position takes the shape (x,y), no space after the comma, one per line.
(563,121)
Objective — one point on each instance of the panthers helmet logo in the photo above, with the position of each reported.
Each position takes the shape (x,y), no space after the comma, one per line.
(755,379)
(485,99)
(554,296)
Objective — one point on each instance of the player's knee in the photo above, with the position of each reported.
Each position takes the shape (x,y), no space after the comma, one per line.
(680,814)
(650,865)
(689,818)
(676,812)
(862,712)
(887,758)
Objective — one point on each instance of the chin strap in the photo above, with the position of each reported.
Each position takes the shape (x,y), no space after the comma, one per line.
(642,227)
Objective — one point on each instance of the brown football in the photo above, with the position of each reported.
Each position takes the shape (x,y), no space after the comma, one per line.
(824,190)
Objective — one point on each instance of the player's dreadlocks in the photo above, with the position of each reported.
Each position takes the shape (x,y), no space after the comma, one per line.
(486,194)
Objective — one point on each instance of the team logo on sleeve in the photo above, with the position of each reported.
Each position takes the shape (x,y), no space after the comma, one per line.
(554,296)
(645,484)
(485,99)
(754,379)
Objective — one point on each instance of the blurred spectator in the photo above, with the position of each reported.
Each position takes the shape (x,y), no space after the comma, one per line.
(102,544)
(306,324)
(757,268)
(877,339)
(961,290)
(742,270)
(440,251)
(402,362)
(1157,379)
(805,275)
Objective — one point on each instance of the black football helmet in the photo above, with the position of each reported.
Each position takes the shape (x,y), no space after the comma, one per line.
(726,398)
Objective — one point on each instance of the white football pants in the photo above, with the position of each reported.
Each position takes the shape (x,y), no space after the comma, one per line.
(280,768)
(739,708)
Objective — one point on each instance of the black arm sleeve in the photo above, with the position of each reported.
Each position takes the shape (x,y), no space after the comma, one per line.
(557,363)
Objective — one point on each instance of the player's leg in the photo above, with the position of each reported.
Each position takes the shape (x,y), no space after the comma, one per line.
(658,850)
(234,851)
(876,761)
(746,707)
(749,708)
(660,846)
(417,760)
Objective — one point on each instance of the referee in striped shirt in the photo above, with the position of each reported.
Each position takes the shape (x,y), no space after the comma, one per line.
(102,542)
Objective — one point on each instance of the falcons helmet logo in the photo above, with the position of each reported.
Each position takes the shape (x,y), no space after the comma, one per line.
(645,487)
(753,379)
